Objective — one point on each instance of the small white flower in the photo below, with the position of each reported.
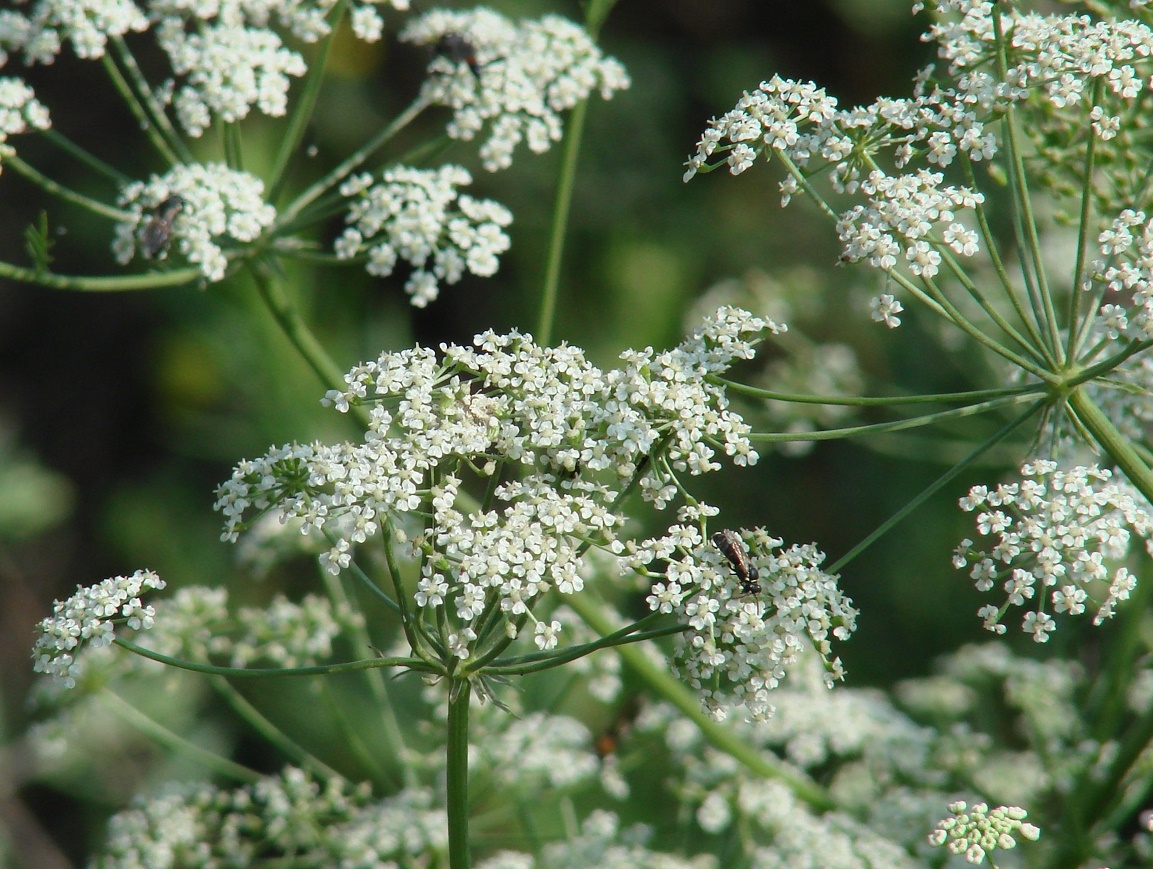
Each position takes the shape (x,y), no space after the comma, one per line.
(546,634)
(884,309)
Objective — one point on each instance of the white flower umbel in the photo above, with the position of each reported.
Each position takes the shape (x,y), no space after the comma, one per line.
(1124,273)
(741,643)
(19,112)
(227,56)
(224,70)
(291,818)
(88,618)
(515,77)
(218,206)
(1060,535)
(39,33)
(978,831)
(572,436)
(419,216)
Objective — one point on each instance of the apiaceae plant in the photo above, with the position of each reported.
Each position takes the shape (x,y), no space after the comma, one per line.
(508,507)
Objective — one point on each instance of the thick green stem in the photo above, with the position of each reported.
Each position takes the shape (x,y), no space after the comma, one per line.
(1112,441)
(458,700)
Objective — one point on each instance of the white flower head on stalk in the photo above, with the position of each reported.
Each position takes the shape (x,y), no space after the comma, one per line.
(743,640)
(217,206)
(977,831)
(910,219)
(1059,537)
(19,111)
(291,817)
(88,618)
(87,25)
(225,70)
(419,216)
(517,77)
(577,434)
(227,56)
(1124,274)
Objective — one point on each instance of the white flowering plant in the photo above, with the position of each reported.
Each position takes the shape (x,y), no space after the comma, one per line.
(515,534)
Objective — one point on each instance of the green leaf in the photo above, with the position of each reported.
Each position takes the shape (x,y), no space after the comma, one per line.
(38,244)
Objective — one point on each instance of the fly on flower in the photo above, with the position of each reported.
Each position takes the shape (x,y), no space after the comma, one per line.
(733,548)
(459,49)
(156,234)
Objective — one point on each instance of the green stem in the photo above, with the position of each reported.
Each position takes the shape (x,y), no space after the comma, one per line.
(303,106)
(661,682)
(56,189)
(868,401)
(88,159)
(874,428)
(346,168)
(595,14)
(562,205)
(246,672)
(1112,441)
(998,264)
(286,315)
(1023,218)
(933,487)
(457,790)
(143,103)
(537,661)
(1078,331)
(150,281)
(269,731)
(174,741)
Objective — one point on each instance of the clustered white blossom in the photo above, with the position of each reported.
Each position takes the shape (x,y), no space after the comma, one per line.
(1125,272)
(88,618)
(19,111)
(911,217)
(219,205)
(290,818)
(519,81)
(39,33)
(977,831)
(227,56)
(579,435)
(914,219)
(194,624)
(1058,534)
(419,216)
(740,645)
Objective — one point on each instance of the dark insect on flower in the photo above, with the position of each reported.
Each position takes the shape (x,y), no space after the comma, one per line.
(733,548)
(459,49)
(156,234)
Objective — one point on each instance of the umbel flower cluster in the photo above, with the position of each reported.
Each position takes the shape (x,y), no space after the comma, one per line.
(976,831)
(88,618)
(227,57)
(517,78)
(556,444)
(212,207)
(419,215)
(895,152)
(19,110)
(742,641)
(1059,537)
